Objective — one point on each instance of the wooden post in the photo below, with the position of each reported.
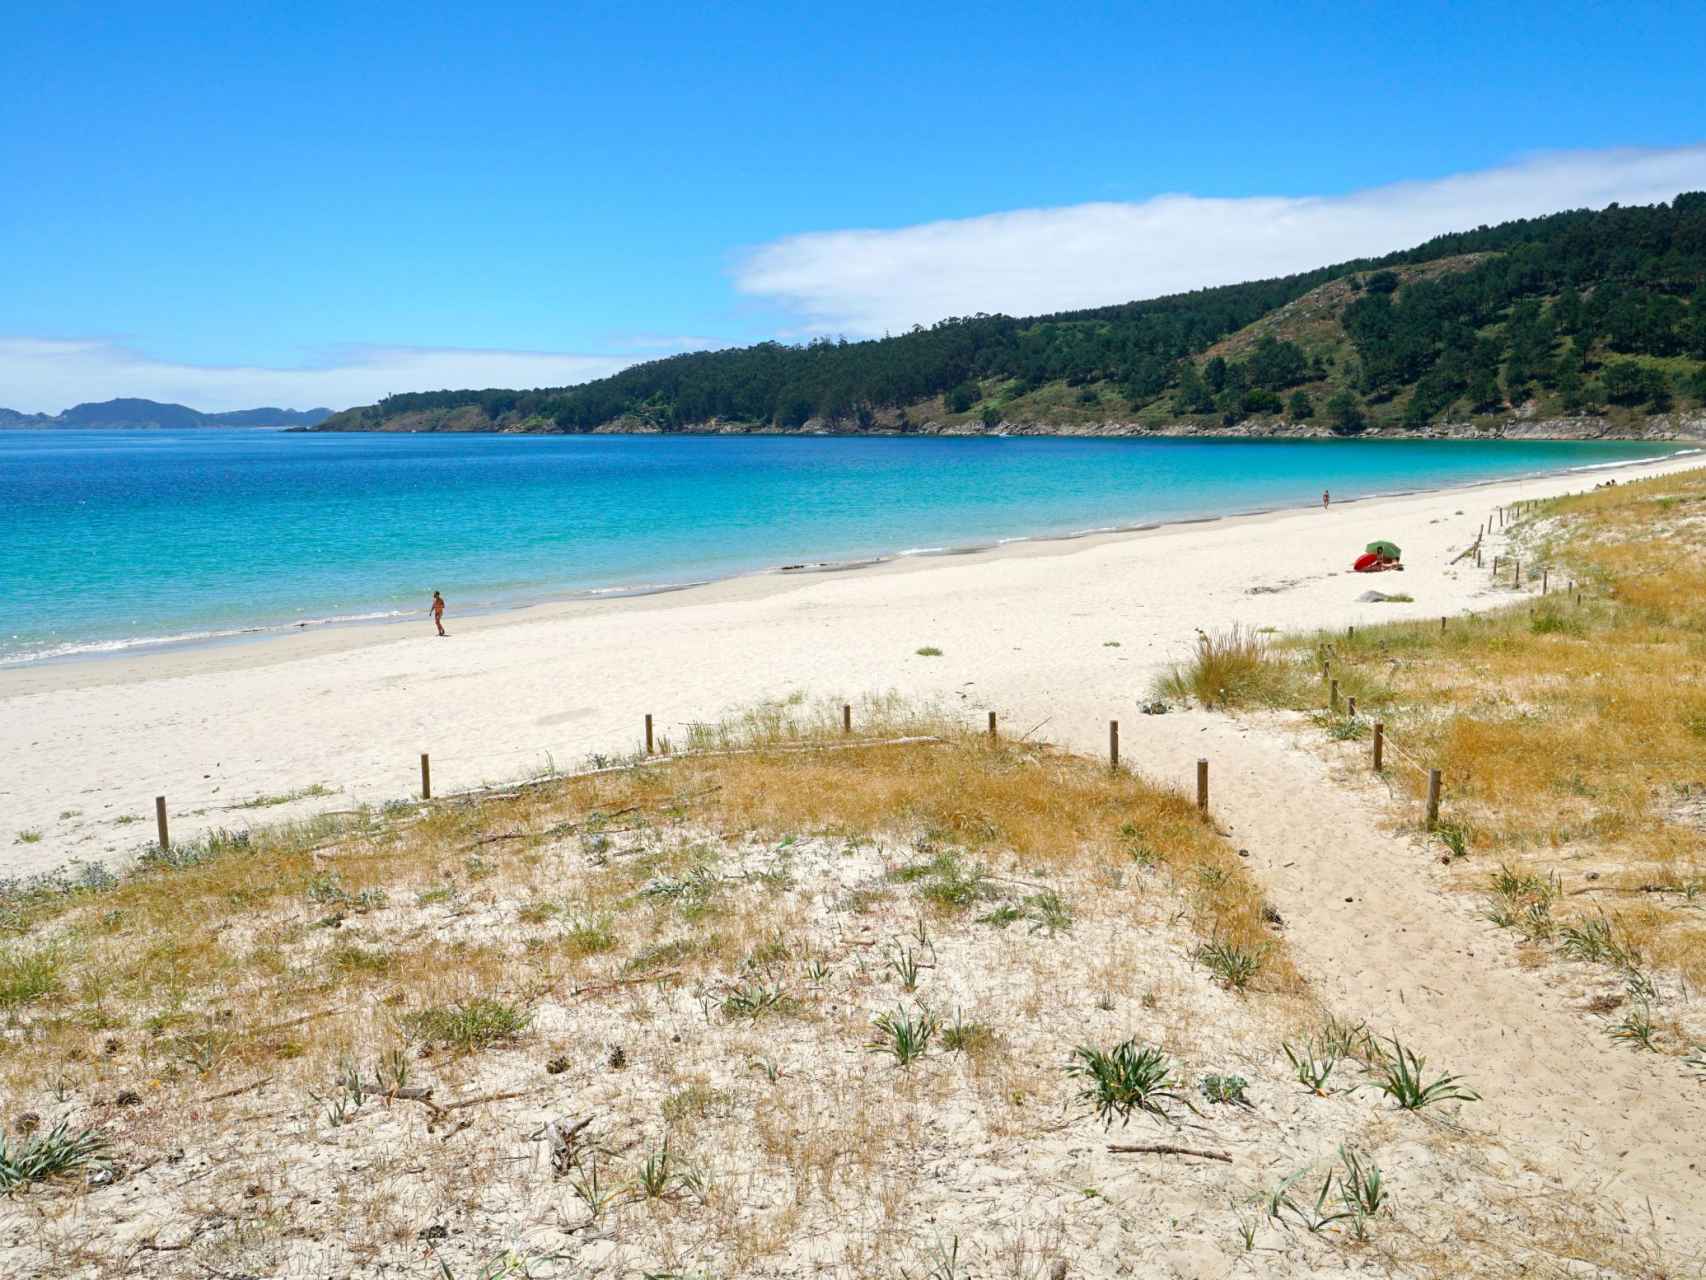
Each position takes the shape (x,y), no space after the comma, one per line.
(1545,580)
(1350,633)
(1333,695)
(648,733)
(1433,798)
(1442,624)
(992,726)
(846,717)
(426,777)
(160,821)
(1517,580)
(1351,708)
(1113,744)
(1495,566)
(1379,745)
(1202,785)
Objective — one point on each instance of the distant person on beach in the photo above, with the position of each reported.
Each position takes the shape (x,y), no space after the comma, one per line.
(1326,499)
(438,613)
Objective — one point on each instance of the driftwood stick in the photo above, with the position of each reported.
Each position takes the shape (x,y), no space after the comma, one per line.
(240,1089)
(592,987)
(1166,1149)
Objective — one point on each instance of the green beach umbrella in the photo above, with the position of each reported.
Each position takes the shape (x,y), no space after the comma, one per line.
(1384,548)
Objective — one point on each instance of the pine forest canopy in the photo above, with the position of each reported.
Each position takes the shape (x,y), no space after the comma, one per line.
(1577,310)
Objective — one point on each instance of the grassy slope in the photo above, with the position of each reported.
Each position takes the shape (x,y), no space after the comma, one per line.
(1571,734)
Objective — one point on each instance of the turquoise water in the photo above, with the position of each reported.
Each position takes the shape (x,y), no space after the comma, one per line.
(114,539)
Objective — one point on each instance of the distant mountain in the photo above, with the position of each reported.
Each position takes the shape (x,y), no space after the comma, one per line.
(1592,320)
(12,418)
(151,413)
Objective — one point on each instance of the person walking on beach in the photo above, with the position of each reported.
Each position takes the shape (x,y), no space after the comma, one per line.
(1326,499)
(438,613)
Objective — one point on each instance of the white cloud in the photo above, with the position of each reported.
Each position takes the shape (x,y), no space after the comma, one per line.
(45,375)
(1040,260)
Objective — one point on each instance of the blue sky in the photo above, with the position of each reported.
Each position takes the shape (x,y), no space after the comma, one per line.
(230,205)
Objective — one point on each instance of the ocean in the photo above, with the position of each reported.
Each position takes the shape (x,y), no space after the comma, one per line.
(113,541)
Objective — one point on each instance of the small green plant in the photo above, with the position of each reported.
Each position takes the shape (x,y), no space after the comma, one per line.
(1454,837)
(53,1154)
(946,881)
(1233,965)
(1363,1186)
(754,1000)
(472,1024)
(1595,939)
(1402,1080)
(28,975)
(1313,1216)
(929,651)
(1048,913)
(590,935)
(1124,1079)
(591,1189)
(657,1173)
(28,836)
(904,965)
(961,1036)
(1636,1029)
(903,1035)
(1002,916)
(1226,1089)
(943,1260)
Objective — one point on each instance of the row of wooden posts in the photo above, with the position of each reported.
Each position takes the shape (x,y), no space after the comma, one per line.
(846,727)
(1379,760)
(1500,514)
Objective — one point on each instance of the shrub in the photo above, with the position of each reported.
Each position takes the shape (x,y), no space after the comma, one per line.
(1229,667)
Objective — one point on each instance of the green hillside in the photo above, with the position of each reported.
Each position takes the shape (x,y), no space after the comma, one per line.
(1577,313)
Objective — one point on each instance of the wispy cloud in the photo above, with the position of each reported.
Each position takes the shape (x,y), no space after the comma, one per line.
(45,375)
(1040,260)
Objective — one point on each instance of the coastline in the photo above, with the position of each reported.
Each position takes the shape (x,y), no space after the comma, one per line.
(369,620)
(1061,635)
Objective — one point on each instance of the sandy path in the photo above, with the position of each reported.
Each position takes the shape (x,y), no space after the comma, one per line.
(1381,938)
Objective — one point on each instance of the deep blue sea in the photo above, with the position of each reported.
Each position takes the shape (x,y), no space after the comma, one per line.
(110,540)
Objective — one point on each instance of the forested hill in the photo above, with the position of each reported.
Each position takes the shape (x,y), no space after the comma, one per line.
(1570,314)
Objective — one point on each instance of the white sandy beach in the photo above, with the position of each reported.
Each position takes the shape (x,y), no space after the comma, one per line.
(1026,630)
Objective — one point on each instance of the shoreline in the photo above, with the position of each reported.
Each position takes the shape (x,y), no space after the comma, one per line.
(373,621)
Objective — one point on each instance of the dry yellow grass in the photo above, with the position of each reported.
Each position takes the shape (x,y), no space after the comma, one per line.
(1571,734)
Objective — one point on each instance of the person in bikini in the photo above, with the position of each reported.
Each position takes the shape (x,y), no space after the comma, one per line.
(438,613)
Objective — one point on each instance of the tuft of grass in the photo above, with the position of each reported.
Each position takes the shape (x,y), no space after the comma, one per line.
(1233,966)
(1313,1063)
(285,797)
(470,1025)
(904,1035)
(1124,1079)
(28,975)
(28,836)
(755,1000)
(53,1154)
(1403,1081)
(947,881)
(965,1037)
(929,651)
(1231,667)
